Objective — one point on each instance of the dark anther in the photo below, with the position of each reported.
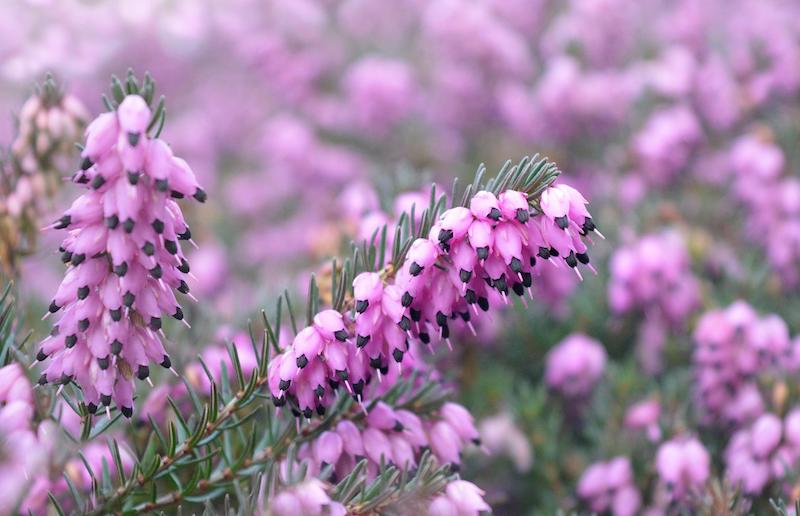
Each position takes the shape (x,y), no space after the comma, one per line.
(527,279)
(544,253)
(112,222)
(126,411)
(483,252)
(533,261)
(116,314)
(128,225)
(445,235)
(515,265)
(445,331)
(103,363)
(588,225)
(171,246)
(500,284)
(158,226)
(166,363)
(156,271)
(149,249)
(320,410)
(397,354)
(78,259)
(66,256)
(200,195)
(301,361)
(186,235)
(358,387)
(416,315)
(105,399)
(183,287)
(375,362)
(143,372)
(116,347)
(340,335)
(184,266)
(155,323)
(441,319)
(83,324)
(407,299)
(384,370)
(362,340)
(176,194)
(128,299)
(91,407)
(425,338)
(278,402)
(83,292)
(342,374)
(133,139)
(554,252)
(307,413)
(494,214)
(405,323)
(518,289)
(178,313)
(98,182)
(465,275)
(523,215)
(284,385)
(133,177)
(63,222)
(470,296)
(414,269)
(42,379)
(319,391)
(483,303)
(563,222)
(86,164)
(571,260)
(121,269)
(41,355)
(398,426)
(70,340)
(361,306)
(161,185)
(583,258)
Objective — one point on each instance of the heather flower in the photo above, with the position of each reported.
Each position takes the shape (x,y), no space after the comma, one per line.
(609,486)
(575,365)
(764,452)
(50,123)
(666,143)
(380,93)
(472,255)
(733,346)
(392,436)
(683,466)
(307,497)
(644,416)
(124,260)
(459,497)
(500,435)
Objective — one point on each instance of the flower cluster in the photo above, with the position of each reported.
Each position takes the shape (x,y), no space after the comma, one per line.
(494,245)
(50,123)
(732,347)
(574,366)
(459,497)
(683,465)
(644,416)
(766,451)
(609,486)
(307,497)
(392,436)
(123,256)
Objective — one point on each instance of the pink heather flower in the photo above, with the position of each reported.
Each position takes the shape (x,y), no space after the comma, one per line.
(460,497)
(644,416)
(16,400)
(390,436)
(575,365)
(380,93)
(307,497)
(654,275)
(472,254)
(764,452)
(609,486)
(124,260)
(665,144)
(500,435)
(683,466)
(733,346)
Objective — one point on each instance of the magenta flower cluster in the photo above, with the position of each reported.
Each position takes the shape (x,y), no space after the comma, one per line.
(574,366)
(124,260)
(492,245)
(609,487)
(733,346)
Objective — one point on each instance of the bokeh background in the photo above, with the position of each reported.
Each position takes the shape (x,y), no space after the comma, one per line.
(313,123)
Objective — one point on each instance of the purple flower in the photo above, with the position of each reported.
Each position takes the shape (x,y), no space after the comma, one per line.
(459,497)
(683,466)
(124,260)
(575,365)
(609,486)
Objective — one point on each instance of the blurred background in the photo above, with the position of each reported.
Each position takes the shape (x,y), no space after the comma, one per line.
(313,123)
